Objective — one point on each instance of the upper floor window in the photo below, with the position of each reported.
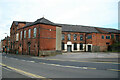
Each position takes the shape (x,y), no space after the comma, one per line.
(102,37)
(69,37)
(107,37)
(89,37)
(75,36)
(117,37)
(29,33)
(25,34)
(107,43)
(35,32)
(63,36)
(17,36)
(21,34)
(112,36)
(81,37)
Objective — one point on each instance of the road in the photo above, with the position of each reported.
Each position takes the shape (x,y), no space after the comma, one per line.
(15,66)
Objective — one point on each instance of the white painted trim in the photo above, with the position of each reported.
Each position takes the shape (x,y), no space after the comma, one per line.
(87,47)
(78,46)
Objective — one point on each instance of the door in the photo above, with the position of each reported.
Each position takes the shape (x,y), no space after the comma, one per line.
(3,49)
(89,48)
(29,48)
(69,48)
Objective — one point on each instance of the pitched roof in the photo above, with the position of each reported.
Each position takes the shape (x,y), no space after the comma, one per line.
(110,30)
(17,22)
(87,29)
(69,27)
(42,21)
(78,28)
(6,38)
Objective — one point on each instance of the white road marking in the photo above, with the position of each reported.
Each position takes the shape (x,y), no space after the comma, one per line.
(7,69)
(68,66)
(23,60)
(31,61)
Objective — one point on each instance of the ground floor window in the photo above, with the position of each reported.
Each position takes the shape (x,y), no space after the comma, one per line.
(63,46)
(75,46)
(81,46)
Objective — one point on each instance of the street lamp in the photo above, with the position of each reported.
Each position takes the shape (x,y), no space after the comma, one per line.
(6,43)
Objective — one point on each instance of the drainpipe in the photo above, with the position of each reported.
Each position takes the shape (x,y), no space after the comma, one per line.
(22,40)
(38,39)
(85,41)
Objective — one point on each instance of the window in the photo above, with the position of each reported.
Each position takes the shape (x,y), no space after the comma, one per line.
(102,37)
(81,46)
(25,34)
(21,34)
(69,37)
(17,36)
(117,37)
(35,32)
(63,36)
(112,36)
(89,37)
(107,43)
(20,44)
(81,37)
(75,36)
(107,37)
(29,33)
(63,46)
(75,46)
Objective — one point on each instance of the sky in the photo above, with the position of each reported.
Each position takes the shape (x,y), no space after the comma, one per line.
(98,13)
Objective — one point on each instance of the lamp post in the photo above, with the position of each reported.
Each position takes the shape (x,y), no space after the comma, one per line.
(6,43)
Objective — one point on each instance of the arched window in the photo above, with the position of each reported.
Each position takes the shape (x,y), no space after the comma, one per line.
(75,46)
(63,46)
(75,36)
(35,32)
(29,33)
(63,36)
(21,34)
(25,34)
(69,37)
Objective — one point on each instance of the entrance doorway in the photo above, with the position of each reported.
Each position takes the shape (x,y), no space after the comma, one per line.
(69,48)
(89,48)
(3,49)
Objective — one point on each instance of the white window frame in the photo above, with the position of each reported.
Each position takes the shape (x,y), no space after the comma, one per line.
(17,37)
(21,34)
(34,32)
(25,34)
(29,33)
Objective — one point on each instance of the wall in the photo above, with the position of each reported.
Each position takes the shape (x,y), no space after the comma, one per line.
(58,38)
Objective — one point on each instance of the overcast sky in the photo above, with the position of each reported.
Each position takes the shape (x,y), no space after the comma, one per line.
(98,13)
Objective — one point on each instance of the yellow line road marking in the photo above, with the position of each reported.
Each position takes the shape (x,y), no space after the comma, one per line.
(114,69)
(21,71)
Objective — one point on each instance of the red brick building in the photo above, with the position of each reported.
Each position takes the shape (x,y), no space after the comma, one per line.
(44,36)
(87,38)
(37,38)
(6,44)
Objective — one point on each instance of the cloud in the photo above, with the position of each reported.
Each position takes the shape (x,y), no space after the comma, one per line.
(101,13)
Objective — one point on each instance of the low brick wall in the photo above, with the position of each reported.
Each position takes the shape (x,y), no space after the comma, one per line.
(49,53)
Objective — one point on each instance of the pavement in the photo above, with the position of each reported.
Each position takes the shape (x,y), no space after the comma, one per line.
(62,66)
(87,56)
